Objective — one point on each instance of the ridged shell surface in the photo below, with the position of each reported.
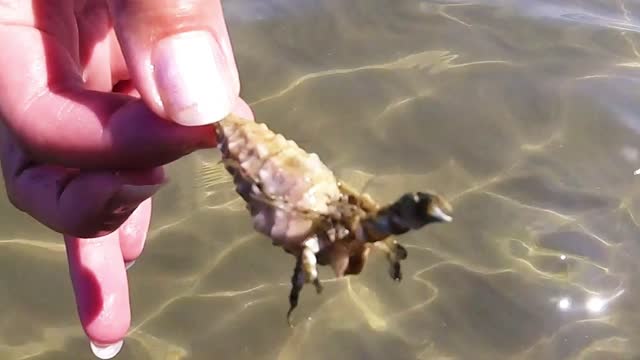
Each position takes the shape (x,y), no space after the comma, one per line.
(295,185)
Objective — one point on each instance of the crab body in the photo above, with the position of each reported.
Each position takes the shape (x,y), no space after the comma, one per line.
(298,202)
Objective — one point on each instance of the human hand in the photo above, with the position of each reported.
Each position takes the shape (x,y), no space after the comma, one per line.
(86,126)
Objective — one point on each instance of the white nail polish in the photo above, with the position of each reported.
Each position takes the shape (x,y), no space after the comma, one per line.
(129,264)
(106,352)
(192,78)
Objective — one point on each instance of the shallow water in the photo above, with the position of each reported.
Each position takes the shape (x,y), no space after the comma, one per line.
(522,113)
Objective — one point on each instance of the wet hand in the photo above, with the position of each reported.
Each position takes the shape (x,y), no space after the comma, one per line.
(94,98)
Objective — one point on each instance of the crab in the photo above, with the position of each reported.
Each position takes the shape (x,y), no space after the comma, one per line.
(298,202)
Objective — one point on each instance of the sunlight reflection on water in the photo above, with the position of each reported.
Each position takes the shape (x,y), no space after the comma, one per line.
(522,113)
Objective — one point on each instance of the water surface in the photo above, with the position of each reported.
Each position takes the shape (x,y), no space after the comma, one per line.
(523,113)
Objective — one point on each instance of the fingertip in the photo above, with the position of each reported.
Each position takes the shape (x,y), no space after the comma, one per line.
(129,264)
(133,233)
(193,79)
(106,351)
(100,286)
(180,57)
(241,108)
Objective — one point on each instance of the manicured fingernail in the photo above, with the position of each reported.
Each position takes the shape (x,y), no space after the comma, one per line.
(106,351)
(192,78)
(129,264)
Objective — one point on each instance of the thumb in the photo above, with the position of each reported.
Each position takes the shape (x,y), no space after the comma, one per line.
(179,56)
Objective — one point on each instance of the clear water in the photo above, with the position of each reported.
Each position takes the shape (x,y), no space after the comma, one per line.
(523,113)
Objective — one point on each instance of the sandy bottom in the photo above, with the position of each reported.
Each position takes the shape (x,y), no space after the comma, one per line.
(524,116)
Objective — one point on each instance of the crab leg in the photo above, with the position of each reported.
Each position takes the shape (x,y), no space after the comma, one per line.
(297,282)
(309,262)
(395,253)
(305,272)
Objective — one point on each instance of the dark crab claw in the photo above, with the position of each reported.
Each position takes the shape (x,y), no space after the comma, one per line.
(437,208)
(415,210)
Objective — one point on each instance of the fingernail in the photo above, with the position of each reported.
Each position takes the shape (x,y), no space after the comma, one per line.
(129,264)
(106,351)
(192,78)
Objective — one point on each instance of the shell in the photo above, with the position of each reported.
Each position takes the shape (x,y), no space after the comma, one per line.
(297,201)
(286,188)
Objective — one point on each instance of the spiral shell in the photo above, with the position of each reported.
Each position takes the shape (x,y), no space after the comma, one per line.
(286,188)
